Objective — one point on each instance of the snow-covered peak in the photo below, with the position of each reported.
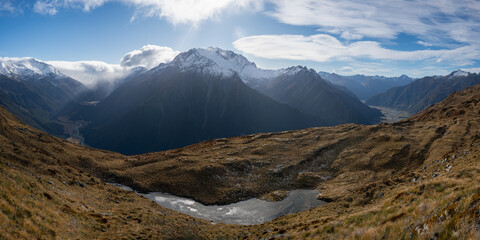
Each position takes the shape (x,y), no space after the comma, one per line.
(27,67)
(292,70)
(459,73)
(220,62)
(197,60)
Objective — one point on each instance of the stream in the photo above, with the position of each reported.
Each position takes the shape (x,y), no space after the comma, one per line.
(248,212)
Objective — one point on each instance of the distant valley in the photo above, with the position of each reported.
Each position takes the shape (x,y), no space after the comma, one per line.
(424,92)
(365,87)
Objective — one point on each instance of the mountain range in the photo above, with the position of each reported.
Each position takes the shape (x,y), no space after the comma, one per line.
(409,179)
(204,94)
(364,86)
(424,92)
(305,90)
(175,105)
(211,93)
(34,91)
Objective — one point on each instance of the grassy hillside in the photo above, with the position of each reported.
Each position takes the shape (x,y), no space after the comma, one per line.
(413,179)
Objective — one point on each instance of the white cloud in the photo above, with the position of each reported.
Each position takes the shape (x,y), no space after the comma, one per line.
(7,6)
(148,56)
(175,11)
(44,7)
(90,73)
(433,21)
(322,48)
(51,6)
(351,36)
(472,70)
(191,11)
(424,43)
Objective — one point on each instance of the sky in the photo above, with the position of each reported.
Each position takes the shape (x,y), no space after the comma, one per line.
(371,37)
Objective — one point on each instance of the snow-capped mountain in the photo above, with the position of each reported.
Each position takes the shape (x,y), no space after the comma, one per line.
(220,62)
(27,67)
(34,90)
(459,73)
(198,96)
(41,74)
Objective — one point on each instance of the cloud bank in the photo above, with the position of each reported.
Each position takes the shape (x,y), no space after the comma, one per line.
(433,21)
(148,56)
(445,33)
(92,73)
(322,48)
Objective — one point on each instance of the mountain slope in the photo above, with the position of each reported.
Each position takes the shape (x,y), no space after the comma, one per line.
(288,86)
(407,179)
(305,90)
(181,103)
(385,181)
(34,91)
(424,92)
(43,194)
(365,87)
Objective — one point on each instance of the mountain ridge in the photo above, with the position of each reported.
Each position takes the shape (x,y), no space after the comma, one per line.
(206,104)
(365,86)
(35,91)
(304,89)
(424,92)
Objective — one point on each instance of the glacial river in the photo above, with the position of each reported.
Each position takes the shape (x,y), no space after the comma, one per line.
(248,212)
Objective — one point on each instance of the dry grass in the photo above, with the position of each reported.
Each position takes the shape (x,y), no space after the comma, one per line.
(386,181)
(43,196)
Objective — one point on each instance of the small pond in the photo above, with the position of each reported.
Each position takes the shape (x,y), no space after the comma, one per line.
(248,212)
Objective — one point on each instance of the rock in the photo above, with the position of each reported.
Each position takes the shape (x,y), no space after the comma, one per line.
(103,230)
(116,201)
(50,182)
(325,199)
(81,184)
(434,175)
(309,179)
(275,196)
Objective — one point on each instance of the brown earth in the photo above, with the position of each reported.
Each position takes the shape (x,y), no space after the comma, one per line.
(388,180)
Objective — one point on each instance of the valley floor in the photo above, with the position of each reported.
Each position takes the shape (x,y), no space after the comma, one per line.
(391,115)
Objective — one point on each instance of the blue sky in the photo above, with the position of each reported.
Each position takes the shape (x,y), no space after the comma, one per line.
(413,37)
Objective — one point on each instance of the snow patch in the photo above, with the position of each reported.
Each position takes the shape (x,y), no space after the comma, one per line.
(460,73)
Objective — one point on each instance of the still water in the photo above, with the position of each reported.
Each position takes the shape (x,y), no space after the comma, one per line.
(248,212)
